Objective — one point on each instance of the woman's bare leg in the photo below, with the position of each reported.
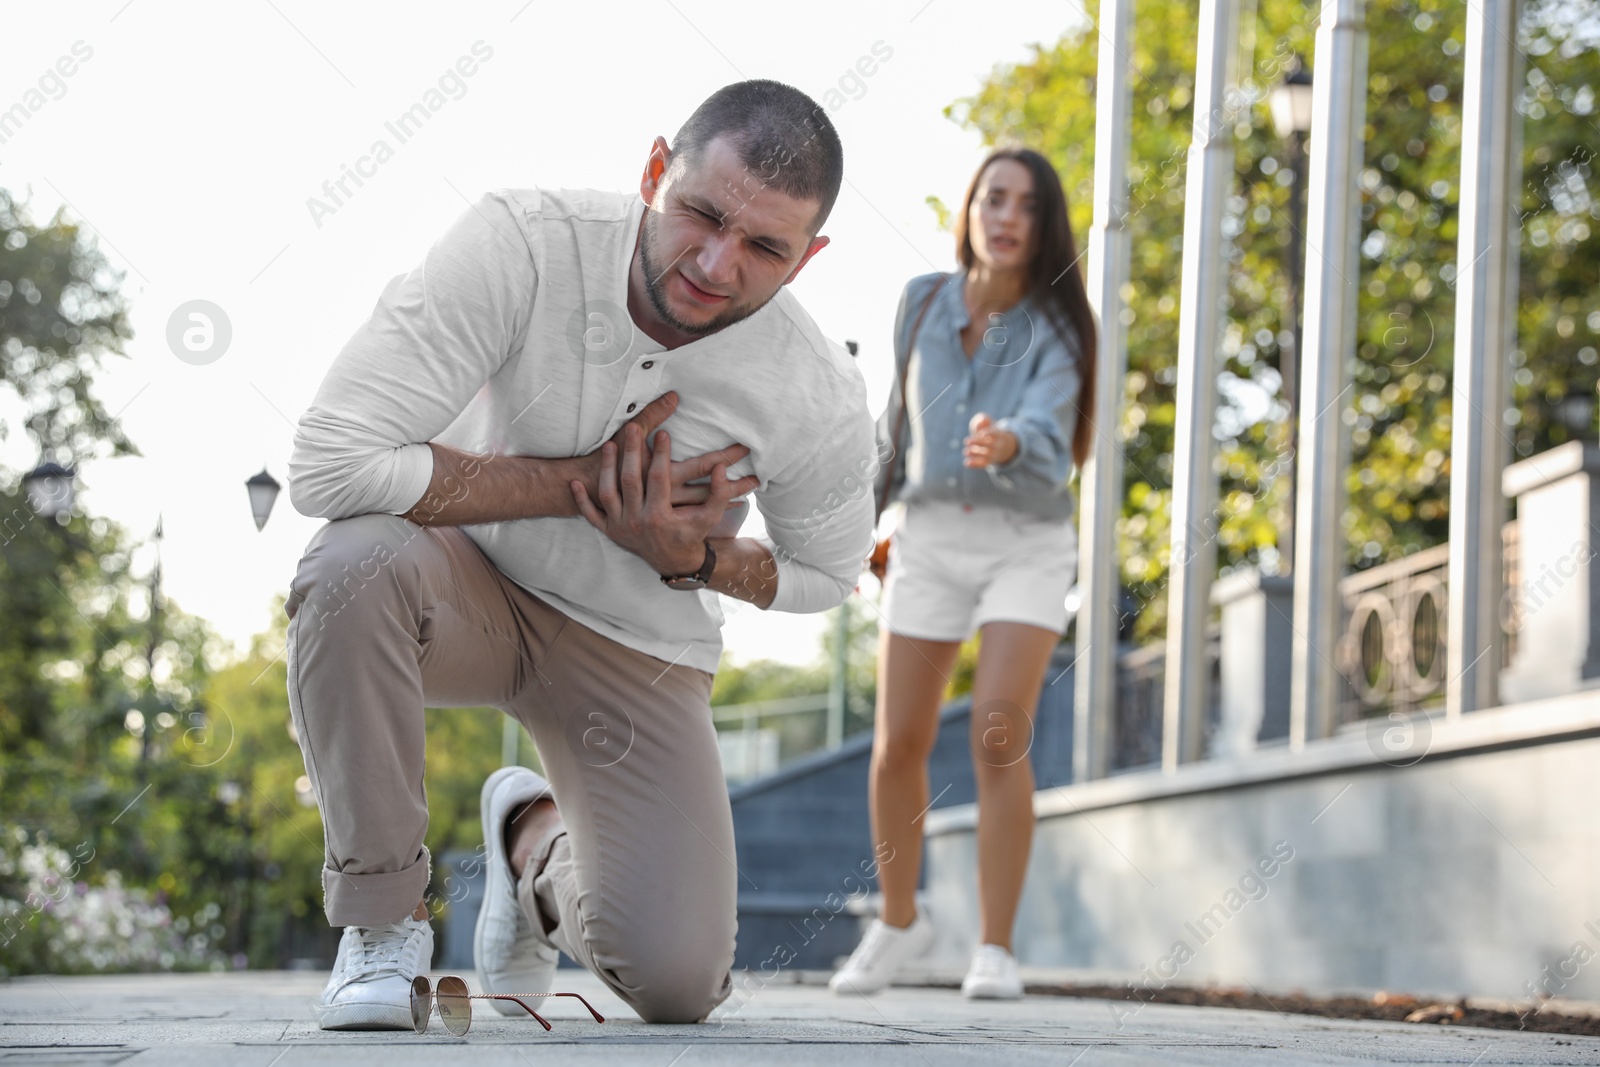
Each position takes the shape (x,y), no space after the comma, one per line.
(1012,660)
(912,676)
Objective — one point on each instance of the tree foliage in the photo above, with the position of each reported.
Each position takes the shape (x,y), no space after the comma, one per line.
(61,314)
(1398,411)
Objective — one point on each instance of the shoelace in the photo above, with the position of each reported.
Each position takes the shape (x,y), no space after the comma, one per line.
(988,963)
(378,949)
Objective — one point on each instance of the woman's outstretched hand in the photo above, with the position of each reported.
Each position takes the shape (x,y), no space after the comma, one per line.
(987,443)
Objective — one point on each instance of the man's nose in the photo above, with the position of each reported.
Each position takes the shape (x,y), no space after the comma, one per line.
(718,260)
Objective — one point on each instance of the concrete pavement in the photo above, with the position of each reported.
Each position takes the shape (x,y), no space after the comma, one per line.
(264,1019)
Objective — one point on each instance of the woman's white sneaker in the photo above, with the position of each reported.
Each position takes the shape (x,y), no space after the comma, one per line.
(992,976)
(881,954)
(370,988)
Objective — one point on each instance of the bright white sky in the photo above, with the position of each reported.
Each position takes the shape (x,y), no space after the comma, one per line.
(193,136)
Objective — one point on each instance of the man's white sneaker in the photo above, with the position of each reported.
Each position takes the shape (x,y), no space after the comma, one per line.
(992,976)
(370,988)
(510,955)
(881,953)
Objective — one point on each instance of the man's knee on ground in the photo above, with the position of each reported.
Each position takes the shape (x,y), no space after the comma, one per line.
(671,977)
(680,992)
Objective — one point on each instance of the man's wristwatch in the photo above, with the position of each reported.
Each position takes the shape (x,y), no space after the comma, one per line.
(699,579)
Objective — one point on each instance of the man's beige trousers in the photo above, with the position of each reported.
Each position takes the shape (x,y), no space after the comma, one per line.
(389,618)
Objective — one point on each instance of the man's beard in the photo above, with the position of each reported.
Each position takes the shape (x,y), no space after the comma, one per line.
(658,297)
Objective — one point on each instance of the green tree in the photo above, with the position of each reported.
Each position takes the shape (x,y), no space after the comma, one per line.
(76,684)
(61,314)
(1399,409)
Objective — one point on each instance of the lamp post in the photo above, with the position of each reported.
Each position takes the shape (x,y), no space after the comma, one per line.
(263,489)
(50,490)
(1290,103)
(150,653)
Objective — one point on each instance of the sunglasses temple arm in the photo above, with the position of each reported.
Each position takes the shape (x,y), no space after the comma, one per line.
(597,1016)
(515,1000)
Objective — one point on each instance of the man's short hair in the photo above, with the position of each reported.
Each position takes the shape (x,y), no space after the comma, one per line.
(781,135)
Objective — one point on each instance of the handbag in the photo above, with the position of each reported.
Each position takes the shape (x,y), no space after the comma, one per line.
(878,562)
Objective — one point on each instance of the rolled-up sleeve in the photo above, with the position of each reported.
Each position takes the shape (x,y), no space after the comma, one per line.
(820,517)
(435,337)
(1044,422)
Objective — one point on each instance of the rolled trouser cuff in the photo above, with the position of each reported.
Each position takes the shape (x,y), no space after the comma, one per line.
(374,899)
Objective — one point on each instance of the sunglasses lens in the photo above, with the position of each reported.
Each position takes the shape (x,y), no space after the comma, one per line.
(421,1003)
(455,1009)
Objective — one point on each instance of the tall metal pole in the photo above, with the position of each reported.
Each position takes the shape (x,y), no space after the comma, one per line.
(1338,115)
(1288,362)
(1194,487)
(1486,295)
(153,643)
(1095,679)
(836,684)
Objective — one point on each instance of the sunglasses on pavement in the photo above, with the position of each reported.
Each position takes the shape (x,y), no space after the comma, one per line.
(455,1003)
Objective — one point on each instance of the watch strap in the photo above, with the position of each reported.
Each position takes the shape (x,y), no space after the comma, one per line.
(703,575)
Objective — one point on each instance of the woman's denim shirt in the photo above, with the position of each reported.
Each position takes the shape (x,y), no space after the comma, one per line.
(1023,374)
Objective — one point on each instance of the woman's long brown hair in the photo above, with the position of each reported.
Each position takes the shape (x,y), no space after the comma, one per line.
(1055,278)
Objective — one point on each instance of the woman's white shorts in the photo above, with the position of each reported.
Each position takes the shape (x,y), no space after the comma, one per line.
(954,567)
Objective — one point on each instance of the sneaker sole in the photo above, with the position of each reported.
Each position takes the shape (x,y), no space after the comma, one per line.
(364,1017)
(851,988)
(992,994)
(493,874)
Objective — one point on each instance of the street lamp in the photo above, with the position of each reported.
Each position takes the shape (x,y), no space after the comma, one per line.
(1290,102)
(263,489)
(50,490)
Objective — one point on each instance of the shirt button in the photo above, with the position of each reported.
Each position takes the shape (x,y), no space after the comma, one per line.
(961,407)
(632,406)
(955,442)
(647,364)
(950,481)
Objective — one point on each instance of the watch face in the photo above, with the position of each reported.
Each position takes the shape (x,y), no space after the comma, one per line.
(685,583)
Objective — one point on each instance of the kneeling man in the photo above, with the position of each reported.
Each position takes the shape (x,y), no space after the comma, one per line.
(535,455)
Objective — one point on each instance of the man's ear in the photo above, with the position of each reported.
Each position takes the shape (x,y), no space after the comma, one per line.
(655,170)
(817,244)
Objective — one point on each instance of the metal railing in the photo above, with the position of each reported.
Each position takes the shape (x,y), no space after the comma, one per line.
(1393,655)
(753,750)
(1136,728)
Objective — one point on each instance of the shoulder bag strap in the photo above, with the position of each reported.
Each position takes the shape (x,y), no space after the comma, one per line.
(905,369)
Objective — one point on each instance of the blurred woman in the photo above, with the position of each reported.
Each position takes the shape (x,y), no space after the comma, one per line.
(992,407)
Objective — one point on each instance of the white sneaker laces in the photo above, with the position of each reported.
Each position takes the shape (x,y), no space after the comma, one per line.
(990,961)
(379,950)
